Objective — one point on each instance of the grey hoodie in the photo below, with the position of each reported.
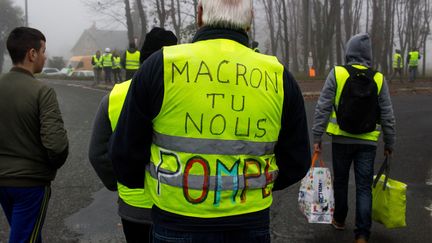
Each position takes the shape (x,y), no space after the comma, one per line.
(358,51)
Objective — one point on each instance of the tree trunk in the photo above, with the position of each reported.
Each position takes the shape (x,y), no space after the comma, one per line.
(348,19)
(143,18)
(175,17)
(129,22)
(286,37)
(2,54)
(306,33)
(161,11)
(338,33)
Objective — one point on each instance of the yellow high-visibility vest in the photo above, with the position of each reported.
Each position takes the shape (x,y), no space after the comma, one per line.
(397,61)
(414,58)
(341,76)
(214,137)
(134,197)
(97,61)
(132,60)
(116,64)
(107,60)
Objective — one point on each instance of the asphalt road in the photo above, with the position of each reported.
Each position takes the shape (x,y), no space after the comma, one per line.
(81,210)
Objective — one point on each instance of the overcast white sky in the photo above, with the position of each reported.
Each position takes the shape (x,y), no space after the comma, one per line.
(61,21)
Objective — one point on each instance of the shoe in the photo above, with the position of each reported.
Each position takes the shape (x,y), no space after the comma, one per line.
(337,225)
(360,240)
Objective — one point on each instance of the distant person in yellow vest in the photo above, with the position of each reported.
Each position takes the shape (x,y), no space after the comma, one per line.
(116,67)
(130,60)
(354,121)
(397,65)
(107,64)
(97,67)
(413,61)
(133,204)
(218,127)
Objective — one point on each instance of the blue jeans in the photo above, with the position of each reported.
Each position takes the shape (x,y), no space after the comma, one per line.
(363,157)
(412,73)
(25,209)
(164,235)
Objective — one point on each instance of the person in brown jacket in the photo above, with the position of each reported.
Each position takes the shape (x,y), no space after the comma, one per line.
(33,141)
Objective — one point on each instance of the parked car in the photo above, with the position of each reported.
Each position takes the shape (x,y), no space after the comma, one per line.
(82,74)
(50,71)
(66,71)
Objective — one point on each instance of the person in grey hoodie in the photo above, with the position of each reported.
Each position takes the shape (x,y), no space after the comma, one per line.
(357,148)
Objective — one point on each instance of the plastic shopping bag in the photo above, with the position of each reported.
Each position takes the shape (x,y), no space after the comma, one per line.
(315,198)
(388,199)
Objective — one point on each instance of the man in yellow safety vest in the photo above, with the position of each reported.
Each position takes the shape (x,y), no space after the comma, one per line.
(397,65)
(218,127)
(130,60)
(413,61)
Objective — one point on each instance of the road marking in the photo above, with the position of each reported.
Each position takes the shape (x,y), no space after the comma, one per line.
(86,87)
(429,180)
(429,209)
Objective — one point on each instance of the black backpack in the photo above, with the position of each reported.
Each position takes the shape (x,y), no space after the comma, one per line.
(358,110)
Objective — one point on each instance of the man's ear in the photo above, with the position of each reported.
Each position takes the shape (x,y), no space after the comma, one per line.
(32,54)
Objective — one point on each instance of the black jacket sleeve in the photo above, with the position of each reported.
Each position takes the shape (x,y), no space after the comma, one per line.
(130,145)
(292,149)
(98,149)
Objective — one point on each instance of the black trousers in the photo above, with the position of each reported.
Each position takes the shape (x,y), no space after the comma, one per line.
(136,232)
(130,73)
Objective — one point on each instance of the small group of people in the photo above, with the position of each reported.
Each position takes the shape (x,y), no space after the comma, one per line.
(111,64)
(195,143)
(412,61)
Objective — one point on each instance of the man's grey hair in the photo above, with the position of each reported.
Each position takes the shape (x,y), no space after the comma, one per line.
(233,14)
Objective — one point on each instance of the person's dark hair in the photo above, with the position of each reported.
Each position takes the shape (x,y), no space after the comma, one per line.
(21,40)
(155,40)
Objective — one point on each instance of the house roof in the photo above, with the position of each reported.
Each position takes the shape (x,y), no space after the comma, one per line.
(93,39)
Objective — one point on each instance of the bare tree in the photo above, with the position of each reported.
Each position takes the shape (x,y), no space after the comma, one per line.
(284,20)
(108,11)
(161,12)
(129,22)
(143,18)
(268,8)
(306,31)
(10,18)
(176,17)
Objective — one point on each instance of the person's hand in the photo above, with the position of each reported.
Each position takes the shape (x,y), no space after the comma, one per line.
(388,152)
(317,147)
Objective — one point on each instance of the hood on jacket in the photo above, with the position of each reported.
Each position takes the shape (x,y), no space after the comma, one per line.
(359,50)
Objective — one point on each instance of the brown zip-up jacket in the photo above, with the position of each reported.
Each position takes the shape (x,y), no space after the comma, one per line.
(33,140)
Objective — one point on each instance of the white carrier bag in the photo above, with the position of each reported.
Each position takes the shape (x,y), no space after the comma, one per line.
(315,198)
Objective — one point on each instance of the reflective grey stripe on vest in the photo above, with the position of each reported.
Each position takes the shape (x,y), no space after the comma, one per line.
(213,146)
(197,181)
(334,121)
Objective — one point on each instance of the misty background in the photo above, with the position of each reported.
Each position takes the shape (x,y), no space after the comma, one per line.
(302,33)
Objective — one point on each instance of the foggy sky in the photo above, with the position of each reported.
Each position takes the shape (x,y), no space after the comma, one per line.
(61,21)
